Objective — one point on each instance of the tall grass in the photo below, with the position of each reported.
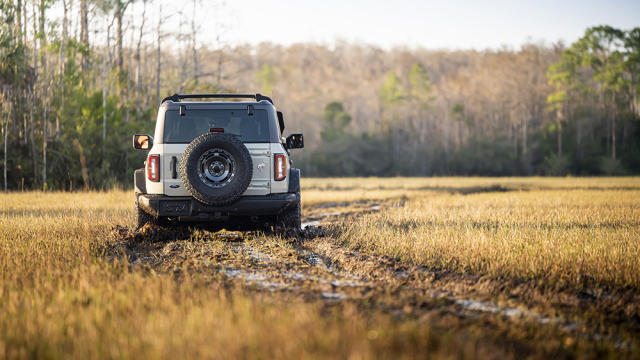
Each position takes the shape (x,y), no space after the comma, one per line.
(566,236)
(61,298)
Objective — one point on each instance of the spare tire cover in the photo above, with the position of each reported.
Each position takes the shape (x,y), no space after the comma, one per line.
(216,168)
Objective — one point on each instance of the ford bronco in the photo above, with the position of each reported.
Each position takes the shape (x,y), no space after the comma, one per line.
(218,163)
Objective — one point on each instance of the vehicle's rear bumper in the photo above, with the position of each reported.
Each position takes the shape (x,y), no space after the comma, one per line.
(179,206)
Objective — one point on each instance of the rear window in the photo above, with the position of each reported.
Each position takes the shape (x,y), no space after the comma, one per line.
(183,129)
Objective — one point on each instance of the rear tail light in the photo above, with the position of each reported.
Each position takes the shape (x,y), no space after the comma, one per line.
(153,167)
(280,167)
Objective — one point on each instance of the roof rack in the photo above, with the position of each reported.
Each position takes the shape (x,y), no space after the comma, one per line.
(178,97)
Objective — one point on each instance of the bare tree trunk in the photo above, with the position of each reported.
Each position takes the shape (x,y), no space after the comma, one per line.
(83,164)
(119,13)
(560,116)
(128,95)
(34,156)
(605,118)
(138,59)
(24,22)
(158,55)
(146,75)
(43,39)
(559,140)
(104,102)
(524,136)
(219,77)
(634,103)
(43,44)
(44,146)
(65,24)
(25,135)
(35,36)
(613,128)
(84,32)
(194,50)
(6,140)
(18,31)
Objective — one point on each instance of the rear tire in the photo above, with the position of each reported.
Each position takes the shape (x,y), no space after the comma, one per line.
(290,221)
(142,217)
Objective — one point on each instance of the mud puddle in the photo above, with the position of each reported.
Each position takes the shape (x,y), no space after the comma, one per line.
(290,268)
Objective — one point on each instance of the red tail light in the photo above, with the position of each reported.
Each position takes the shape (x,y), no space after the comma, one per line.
(153,168)
(280,168)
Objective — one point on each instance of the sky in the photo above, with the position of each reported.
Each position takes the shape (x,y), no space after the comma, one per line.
(413,23)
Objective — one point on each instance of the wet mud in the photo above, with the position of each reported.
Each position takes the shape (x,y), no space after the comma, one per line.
(314,266)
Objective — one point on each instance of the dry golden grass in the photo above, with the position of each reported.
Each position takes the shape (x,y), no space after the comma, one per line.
(60,297)
(568,236)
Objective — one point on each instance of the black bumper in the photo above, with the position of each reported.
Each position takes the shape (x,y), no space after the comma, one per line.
(178,206)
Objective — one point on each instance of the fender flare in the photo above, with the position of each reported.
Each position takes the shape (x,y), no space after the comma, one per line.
(294,180)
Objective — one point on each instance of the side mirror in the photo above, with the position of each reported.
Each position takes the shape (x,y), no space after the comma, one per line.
(281,121)
(295,141)
(142,142)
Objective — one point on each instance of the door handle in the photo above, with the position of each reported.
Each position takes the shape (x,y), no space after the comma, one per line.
(173,166)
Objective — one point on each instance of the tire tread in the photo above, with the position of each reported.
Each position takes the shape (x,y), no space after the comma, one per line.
(187,173)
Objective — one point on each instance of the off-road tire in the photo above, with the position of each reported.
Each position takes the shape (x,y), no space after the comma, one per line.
(290,221)
(190,174)
(142,217)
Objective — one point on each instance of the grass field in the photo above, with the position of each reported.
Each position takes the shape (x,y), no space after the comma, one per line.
(400,268)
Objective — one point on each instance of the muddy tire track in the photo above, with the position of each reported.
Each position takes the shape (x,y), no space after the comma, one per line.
(316,267)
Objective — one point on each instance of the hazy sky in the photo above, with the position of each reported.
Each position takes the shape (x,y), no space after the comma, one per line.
(431,24)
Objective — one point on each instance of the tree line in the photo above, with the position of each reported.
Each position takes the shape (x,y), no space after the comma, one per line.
(79,77)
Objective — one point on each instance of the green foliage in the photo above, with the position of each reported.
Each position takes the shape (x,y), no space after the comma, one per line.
(486,156)
(13,64)
(556,165)
(420,84)
(336,121)
(391,91)
(596,78)
(457,111)
(564,78)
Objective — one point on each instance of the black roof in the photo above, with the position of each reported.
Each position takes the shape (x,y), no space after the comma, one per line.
(178,97)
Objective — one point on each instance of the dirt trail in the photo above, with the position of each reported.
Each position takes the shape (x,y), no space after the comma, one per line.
(318,268)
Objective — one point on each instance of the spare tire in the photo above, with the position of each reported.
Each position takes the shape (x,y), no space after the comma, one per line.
(216,168)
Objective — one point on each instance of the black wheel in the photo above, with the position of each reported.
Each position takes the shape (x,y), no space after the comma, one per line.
(142,217)
(289,222)
(216,168)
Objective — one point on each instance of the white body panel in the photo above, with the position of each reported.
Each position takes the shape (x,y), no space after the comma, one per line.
(262,182)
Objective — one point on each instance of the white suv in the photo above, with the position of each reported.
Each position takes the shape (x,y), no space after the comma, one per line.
(220,163)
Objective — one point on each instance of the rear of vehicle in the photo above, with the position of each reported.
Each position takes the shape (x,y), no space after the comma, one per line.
(221,163)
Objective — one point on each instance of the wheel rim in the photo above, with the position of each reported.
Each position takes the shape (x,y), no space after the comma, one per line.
(216,168)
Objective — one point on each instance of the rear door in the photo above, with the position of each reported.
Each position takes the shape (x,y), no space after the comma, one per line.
(170,162)
(180,130)
(261,158)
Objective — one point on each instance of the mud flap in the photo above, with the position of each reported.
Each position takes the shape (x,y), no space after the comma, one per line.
(294,180)
(139,182)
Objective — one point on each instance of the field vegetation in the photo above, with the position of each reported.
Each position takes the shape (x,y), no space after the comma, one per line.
(588,234)
(396,267)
